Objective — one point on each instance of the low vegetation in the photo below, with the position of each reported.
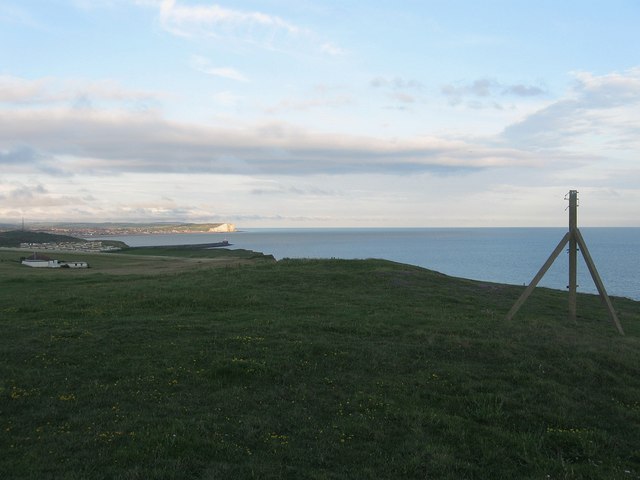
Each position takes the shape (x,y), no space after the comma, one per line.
(14,238)
(196,251)
(307,369)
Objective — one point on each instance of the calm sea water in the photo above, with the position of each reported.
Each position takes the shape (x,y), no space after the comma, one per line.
(504,255)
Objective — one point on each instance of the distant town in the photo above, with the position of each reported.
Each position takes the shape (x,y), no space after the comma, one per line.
(87,230)
(77,237)
(93,246)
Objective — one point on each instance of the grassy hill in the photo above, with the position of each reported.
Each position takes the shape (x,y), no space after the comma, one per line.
(196,251)
(14,238)
(308,369)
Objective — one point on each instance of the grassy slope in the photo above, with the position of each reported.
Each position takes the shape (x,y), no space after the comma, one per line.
(310,369)
(15,237)
(195,251)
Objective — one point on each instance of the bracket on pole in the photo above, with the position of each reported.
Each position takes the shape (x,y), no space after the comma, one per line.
(574,238)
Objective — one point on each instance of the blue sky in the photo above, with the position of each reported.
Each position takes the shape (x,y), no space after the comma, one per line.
(304,113)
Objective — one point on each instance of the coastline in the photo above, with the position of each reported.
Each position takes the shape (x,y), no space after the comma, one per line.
(496,254)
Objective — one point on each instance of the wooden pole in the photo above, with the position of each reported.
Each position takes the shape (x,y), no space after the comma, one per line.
(574,238)
(573,253)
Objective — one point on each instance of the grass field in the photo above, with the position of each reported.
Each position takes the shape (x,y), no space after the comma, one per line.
(214,369)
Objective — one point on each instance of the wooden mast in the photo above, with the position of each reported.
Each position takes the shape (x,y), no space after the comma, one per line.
(573,253)
(574,238)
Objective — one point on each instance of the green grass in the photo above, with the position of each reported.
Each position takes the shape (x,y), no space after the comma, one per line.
(195,251)
(309,369)
(14,238)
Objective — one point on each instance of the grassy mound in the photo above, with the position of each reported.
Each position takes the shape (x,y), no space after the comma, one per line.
(310,369)
(14,238)
(196,251)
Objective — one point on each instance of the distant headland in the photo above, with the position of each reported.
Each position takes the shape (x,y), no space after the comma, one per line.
(108,228)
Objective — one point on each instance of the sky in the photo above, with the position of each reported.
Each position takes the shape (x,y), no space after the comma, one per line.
(309,113)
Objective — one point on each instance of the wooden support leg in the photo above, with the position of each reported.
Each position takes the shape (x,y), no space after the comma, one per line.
(539,275)
(597,280)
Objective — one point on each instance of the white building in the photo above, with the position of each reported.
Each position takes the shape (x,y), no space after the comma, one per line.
(41,261)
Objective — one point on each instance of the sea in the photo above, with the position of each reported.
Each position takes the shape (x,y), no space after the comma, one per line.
(501,255)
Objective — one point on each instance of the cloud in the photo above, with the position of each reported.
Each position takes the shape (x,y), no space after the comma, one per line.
(306,104)
(321,96)
(203,65)
(295,191)
(484,88)
(403,97)
(607,91)
(92,142)
(35,197)
(19,155)
(228,72)
(217,21)
(479,88)
(600,113)
(396,83)
(26,193)
(25,159)
(232,26)
(227,99)
(19,90)
(29,92)
(523,90)
(400,90)
(331,48)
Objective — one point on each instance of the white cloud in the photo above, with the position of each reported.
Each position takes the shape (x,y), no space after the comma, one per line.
(214,20)
(228,72)
(203,65)
(332,49)
(227,99)
(20,197)
(50,140)
(396,83)
(110,142)
(403,97)
(312,102)
(600,113)
(19,90)
(237,27)
(26,92)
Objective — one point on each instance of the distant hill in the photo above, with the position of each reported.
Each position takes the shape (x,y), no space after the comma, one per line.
(103,229)
(14,238)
